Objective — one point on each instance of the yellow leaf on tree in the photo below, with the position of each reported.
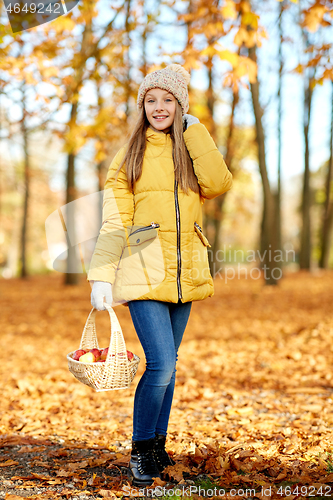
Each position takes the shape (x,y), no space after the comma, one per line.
(228,11)
(246,7)
(314,17)
(209,51)
(229,56)
(241,36)
(250,19)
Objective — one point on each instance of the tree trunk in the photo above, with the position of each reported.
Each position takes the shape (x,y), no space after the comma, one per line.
(102,166)
(24,227)
(215,207)
(71,277)
(305,250)
(87,50)
(209,215)
(127,59)
(277,222)
(327,225)
(267,224)
(219,201)
(211,99)
(101,172)
(144,65)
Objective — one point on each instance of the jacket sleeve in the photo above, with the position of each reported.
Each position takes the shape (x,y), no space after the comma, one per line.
(212,173)
(118,212)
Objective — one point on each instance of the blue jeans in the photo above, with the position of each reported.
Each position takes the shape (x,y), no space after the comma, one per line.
(160,327)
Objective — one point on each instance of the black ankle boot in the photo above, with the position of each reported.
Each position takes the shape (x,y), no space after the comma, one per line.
(162,458)
(142,463)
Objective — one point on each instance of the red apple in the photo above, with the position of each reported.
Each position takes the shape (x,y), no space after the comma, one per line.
(104,353)
(96,353)
(77,354)
(87,358)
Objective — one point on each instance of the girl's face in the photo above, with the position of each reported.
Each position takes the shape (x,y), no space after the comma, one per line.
(160,108)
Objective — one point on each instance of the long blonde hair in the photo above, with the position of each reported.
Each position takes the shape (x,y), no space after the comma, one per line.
(133,159)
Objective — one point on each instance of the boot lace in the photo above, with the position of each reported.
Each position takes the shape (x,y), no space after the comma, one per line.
(146,463)
(162,458)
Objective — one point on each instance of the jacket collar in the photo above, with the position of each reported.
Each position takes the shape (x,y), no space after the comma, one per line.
(157,138)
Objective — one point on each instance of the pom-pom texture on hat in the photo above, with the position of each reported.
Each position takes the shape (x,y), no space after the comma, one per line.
(174,78)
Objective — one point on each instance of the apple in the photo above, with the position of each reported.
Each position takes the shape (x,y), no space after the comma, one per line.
(77,354)
(96,353)
(101,361)
(87,358)
(104,353)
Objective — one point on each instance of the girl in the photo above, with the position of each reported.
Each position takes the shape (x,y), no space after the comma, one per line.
(168,168)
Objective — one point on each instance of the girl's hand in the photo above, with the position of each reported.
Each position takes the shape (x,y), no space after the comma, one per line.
(101,290)
(189,120)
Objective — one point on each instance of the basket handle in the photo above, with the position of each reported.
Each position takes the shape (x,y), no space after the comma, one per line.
(89,336)
(117,344)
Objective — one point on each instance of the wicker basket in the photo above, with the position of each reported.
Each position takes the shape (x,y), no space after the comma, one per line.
(117,372)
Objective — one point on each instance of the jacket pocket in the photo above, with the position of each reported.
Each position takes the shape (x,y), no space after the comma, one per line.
(141,238)
(200,266)
(202,237)
(142,264)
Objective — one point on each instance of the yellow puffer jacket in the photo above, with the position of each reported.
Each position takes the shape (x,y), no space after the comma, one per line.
(151,245)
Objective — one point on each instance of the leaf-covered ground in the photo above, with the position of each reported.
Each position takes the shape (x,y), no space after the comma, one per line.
(252,414)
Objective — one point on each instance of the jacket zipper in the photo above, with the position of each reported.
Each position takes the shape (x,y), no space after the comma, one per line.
(179,261)
(152,225)
(197,225)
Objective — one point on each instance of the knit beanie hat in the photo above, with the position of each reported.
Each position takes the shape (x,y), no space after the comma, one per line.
(174,78)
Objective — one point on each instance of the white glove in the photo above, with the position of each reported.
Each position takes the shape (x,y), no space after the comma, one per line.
(189,120)
(100,290)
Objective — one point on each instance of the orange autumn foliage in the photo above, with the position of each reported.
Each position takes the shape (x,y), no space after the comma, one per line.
(252,403)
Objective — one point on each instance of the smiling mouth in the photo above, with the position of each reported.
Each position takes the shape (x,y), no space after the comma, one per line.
(162,117)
